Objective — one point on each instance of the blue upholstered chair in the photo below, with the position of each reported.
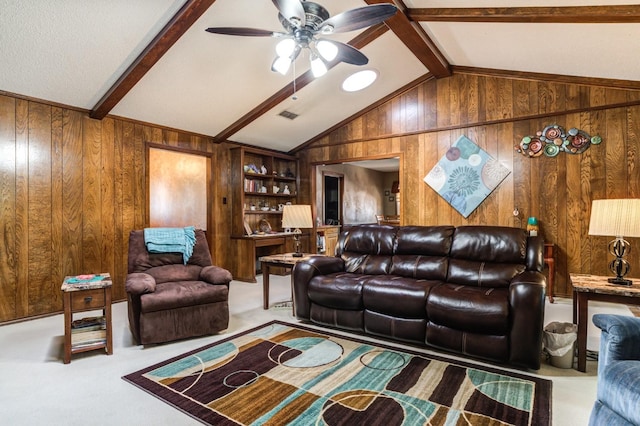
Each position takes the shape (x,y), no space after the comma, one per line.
(618,399)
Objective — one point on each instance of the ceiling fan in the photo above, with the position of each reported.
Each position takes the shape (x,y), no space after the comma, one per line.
(305,23)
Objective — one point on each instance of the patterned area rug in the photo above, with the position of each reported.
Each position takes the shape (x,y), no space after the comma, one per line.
(281,373)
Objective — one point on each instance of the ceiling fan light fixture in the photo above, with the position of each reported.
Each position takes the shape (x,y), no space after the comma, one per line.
(327,29)
(285,47)
(359,80)
(281,64)
(318,67)
(327,50)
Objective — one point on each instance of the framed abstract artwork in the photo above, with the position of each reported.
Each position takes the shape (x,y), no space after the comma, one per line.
(465,176)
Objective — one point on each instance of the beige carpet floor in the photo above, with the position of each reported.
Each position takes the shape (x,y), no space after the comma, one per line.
(36,388)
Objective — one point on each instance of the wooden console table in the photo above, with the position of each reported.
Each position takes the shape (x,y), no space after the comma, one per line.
(595,287)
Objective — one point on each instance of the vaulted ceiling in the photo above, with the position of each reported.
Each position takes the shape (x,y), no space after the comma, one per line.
(152,61)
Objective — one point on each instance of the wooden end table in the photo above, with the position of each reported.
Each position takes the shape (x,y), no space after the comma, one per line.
(286,260)
(86,293)
(595,287)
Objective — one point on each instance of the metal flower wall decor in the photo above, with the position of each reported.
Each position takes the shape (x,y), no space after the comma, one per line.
(553,139)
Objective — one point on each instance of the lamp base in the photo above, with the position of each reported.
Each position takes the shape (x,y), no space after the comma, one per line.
(302,254)
(620,281)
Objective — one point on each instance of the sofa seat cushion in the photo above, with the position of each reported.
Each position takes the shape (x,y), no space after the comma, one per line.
(179,294)
(341,290)
(397,296)
(620,389)
(470,309)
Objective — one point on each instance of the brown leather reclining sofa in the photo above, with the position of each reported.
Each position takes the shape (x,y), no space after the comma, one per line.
(475,290)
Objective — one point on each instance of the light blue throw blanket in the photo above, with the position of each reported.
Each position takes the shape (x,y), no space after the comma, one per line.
(171,240)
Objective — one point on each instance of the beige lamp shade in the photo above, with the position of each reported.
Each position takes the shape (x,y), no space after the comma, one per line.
(617,218)
(297,216)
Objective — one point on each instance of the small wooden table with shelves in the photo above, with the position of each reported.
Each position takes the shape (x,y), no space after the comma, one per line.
(327,236)
(84,293)
(595,287)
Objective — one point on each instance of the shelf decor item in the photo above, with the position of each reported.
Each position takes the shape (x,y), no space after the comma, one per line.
(619,218)
(296,217)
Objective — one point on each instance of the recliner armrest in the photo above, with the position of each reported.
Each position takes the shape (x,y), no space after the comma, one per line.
(215,275)
(140,283)
(620,339)
(526,299)
(303,272)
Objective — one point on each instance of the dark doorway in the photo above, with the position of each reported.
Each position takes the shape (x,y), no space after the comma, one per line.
(332,199)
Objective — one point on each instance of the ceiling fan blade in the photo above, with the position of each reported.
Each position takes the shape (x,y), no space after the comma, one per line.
(349,54)
(240,31)
(358,18)
(292,11)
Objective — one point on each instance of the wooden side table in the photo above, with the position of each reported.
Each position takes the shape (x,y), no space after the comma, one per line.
(86,293)
(595,287)
(286,260)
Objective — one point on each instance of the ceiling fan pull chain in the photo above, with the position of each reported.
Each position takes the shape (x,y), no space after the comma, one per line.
(294,97)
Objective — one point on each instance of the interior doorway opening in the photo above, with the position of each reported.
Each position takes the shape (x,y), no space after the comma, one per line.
(332,190)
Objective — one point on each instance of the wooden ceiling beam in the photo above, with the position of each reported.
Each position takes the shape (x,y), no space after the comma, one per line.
(358,42)
(175,28)
(560,14)
(416,39)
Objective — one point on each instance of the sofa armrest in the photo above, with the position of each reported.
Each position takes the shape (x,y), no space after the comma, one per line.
(303,272)
(620,339)
(526,299)
(140,283)
(215,275)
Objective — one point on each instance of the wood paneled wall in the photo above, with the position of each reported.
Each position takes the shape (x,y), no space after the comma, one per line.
(71,187)
(71,190)
(496,112)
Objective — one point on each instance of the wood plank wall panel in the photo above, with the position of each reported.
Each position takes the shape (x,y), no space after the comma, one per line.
(22,205)
(496,112)
(71,190)
(39,209)
(8,271)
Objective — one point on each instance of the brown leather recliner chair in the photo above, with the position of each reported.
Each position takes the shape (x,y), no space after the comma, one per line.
(169,300)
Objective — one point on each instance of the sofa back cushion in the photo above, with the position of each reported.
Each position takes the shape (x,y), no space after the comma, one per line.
(367,249)
(168,266)
(422,252)
(487,255)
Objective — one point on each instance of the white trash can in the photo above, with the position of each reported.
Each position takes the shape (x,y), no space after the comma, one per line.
(559,339)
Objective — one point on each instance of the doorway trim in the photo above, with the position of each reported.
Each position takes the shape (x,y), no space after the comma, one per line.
(208,178)
(401,176)
(340,177)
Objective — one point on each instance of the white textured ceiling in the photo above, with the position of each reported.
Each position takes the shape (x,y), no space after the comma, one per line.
(72,51)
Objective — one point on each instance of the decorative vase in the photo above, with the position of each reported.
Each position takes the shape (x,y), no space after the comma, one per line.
(532,226)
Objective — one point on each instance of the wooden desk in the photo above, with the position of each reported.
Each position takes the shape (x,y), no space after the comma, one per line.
(247,249)
(549,260)
(285,260)
(594,287)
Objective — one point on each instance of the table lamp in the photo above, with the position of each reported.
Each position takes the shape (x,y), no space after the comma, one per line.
(619,218)
(295,217)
